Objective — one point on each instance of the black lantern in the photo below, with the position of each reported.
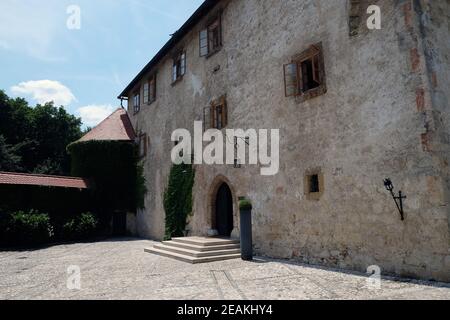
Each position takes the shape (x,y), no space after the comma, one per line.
(397,199)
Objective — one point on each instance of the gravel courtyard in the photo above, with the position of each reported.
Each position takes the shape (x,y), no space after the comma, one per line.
(119,269)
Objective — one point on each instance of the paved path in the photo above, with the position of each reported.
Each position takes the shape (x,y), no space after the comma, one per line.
(119,269)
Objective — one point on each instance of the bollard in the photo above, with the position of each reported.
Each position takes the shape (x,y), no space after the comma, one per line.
(245,209)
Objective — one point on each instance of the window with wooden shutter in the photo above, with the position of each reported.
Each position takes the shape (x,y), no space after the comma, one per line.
(179,66)
(305,75)
(207,116)
(214,36)
(136,102)
(152,89)
(316,69)
(183,64)
(224,112)
(210,38)
(174,73)
(218,113)
(291,81)
(203,42)
(146,92)
(142,145)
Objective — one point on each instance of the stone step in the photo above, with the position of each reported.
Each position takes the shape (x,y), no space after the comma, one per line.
(190,259)
(195,253)
(205,242)
(201,248)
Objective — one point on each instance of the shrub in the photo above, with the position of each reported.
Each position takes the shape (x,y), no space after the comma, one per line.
(245,204)
(81,227)
(30,228)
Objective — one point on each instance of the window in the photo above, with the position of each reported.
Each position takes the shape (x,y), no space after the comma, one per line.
(314,185)
(211,37)
(136,102)
(305,76)
(142,145)
(216,115)
(150,90)
(179,66)
(146,92)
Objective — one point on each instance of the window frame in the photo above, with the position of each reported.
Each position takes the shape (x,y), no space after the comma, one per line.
(151,83)
(142,143)
(136,102)
(179,66)
(316,196)
(294,81)
(206,35)
(213,108)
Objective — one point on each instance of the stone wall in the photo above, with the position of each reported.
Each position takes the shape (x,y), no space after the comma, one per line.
(385,114)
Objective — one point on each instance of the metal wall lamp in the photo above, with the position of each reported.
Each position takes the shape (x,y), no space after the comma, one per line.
(397,199)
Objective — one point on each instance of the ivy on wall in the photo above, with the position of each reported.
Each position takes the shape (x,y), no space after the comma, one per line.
(178,199)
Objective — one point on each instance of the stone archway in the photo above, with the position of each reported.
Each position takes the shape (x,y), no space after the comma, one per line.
(222,187)
(224,211)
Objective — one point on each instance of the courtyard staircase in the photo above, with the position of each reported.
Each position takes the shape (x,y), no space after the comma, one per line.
(198,249)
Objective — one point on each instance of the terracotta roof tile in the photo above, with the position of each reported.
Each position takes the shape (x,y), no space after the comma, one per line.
(42,180)
(117,127)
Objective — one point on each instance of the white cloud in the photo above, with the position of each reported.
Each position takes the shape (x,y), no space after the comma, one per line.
(45,91)
(93,114)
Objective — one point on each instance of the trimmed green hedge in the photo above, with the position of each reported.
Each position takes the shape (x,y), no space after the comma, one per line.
(178,199)
(114,167)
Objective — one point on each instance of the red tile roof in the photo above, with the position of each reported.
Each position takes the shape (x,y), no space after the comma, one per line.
(117,127)
(42,180)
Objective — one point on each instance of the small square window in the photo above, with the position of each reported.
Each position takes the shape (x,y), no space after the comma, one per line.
(314,183)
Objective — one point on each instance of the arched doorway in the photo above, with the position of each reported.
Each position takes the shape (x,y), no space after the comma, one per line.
(224,210)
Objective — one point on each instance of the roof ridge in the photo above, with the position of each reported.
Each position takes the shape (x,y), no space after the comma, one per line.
(115,127)
(113,113)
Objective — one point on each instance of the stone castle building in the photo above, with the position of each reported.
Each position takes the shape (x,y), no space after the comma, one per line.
(354,106)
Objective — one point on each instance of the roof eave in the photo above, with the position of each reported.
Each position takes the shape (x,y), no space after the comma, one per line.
(203,10)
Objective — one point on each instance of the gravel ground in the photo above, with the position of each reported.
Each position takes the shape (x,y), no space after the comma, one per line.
(120,269)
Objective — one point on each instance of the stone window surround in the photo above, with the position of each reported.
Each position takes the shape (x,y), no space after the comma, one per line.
(315,196)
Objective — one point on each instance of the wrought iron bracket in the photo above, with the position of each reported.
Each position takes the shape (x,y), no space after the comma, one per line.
(397,199)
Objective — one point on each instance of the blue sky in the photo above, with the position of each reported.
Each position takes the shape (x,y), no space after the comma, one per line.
(41,59)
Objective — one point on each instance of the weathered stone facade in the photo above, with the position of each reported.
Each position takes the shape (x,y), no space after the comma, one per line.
(385,114)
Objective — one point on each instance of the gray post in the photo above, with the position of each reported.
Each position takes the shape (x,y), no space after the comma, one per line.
(246,234)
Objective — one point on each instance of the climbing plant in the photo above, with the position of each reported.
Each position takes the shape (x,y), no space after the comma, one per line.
(114,169)
(178,199)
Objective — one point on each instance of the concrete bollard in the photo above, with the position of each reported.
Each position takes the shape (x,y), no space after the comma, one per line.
(245,209)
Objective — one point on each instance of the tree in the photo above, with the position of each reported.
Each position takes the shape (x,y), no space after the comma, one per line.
(37,136)
(9,160)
